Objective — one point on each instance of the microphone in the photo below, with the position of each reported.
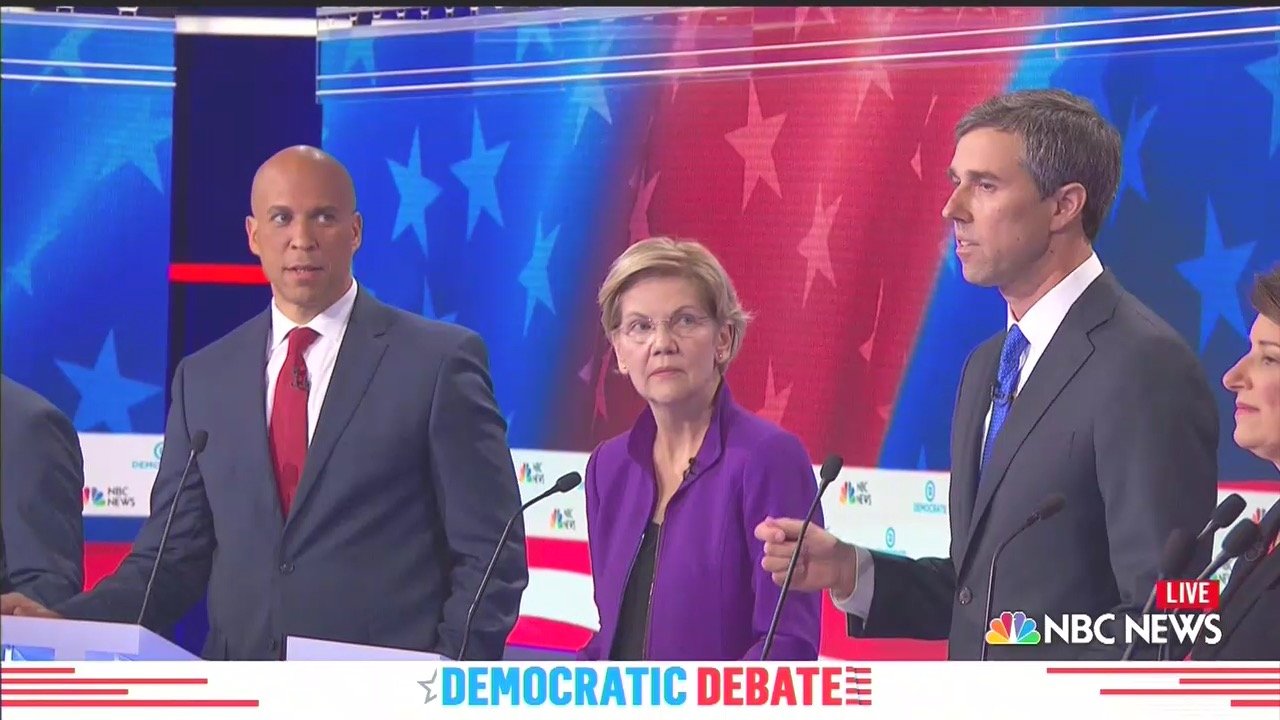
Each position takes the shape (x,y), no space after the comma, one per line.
(1177,551)
(1268,528)
(566,483)
(996,396)
(827,473)
(199,439)
(1244,534)
(1223,515)
(1049,507)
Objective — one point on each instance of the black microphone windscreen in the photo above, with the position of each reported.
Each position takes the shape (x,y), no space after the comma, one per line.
(1228,510)
(199,440)
(1177,553)
(1244,534)
(830,468)
(1269,527)
(568,481)
(1051,506)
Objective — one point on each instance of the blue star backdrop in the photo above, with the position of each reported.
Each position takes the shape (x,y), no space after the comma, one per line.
(499,195)
(498,184)
(87,155)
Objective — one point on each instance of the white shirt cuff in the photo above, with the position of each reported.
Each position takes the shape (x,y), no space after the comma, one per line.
(859,602)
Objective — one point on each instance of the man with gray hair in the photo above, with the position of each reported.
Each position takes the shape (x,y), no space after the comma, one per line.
(1087,394)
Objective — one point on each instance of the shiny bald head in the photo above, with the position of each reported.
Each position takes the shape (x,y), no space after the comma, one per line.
(301,159)
(305,229)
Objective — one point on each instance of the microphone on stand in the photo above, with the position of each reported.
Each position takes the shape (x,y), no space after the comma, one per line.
(199,439)
(566,483)
(300,379)
(1177,551)
(827,473)
(1223,515)
(1268,529)
(1049,507)
(1238,540)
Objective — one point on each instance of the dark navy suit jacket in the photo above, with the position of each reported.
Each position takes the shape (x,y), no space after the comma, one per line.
(1117,417)
(42,482)
(407,486)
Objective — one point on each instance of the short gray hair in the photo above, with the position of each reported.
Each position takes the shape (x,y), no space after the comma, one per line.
(1066,140)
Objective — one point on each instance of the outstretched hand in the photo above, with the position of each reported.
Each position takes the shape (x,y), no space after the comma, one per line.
(825,563)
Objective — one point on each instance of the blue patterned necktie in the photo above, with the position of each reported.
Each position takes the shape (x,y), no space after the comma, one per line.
(1006,384)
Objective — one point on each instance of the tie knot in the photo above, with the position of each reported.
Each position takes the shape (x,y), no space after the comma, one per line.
(300,338)
(1014,345)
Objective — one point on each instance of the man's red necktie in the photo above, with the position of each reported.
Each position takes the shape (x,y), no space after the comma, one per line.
(288,429)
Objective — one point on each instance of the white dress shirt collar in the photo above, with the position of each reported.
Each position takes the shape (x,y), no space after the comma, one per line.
(329,323)
(1040,323)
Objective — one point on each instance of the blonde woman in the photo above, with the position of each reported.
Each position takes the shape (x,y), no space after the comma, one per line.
(672,503)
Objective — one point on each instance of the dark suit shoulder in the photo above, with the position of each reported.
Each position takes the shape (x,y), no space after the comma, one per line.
(20,400)
(1141,340)
(252,333)
(435,333)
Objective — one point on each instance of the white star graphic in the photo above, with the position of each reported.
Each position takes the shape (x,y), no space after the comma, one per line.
(686,40)
(417,193)
(531,33)
(601,409)
(589,95)
(932,101)
(915,162)
(479,173)
(145,122)
(881,21)
(802,14)
(870,344)
(640,211)
(775,402)
(864,78)
(534,275)
(816,246)
(67,51)
(754,142)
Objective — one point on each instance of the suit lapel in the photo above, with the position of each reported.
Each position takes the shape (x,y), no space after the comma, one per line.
(247,396)
(1060,362)
(358,358)
(972,405)
(1249,592)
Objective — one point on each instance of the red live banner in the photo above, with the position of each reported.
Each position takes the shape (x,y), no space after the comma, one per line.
(1187,595)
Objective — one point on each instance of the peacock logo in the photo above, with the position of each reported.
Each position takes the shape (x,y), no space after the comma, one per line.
(95,497)
(1013,628)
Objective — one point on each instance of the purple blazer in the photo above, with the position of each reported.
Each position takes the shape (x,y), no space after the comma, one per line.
(710,600)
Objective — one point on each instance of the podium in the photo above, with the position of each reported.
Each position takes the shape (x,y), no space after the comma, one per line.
(45,640)
(302,648)
(42,639)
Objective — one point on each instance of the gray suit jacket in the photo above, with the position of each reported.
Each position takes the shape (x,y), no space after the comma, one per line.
(1117,416)
(407,486)
(42,483)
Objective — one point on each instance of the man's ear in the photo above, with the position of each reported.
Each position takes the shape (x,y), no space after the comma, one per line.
(251,230)
(1069,203)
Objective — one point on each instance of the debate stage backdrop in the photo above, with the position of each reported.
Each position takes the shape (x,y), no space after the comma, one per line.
(501,165)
